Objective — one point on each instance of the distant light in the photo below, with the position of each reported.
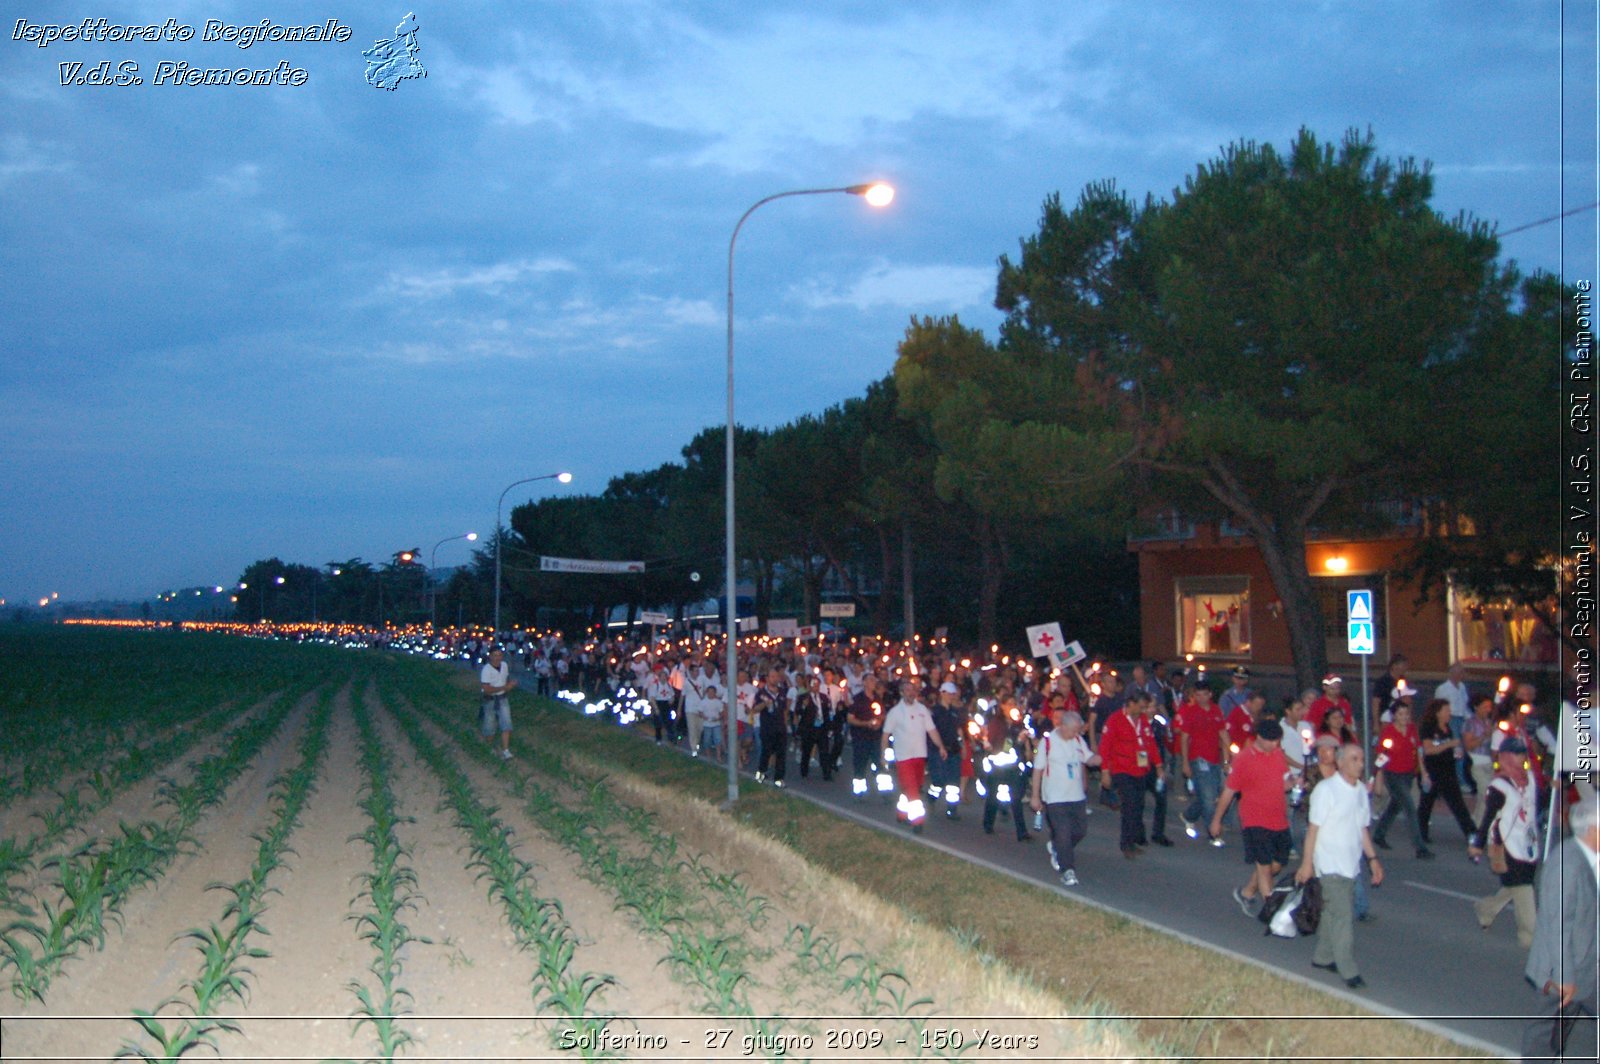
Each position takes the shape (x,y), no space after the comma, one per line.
(277,580)
(243,586)
(44,602)
(55,594)
(217,589)
(1336,564)
(879,194)
(472,537)
(338,572)
(565,478)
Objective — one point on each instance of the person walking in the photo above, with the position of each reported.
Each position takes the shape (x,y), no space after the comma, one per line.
(811,715)
(1257,779)
(1000,771)
(1127,757)
(1563,961)
(772,715)
(944,773)
(1203,758)
(1509,833)
(1441,758)
(909,727)
(1336,840)
(865,722)
(494,709)
(1401,768)
(1058,790)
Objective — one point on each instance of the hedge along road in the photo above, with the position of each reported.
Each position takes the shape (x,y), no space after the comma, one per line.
(1421,952)
(588,907)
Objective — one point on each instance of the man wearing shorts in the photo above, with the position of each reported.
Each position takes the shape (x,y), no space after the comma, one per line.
(494,712)
(1257,777)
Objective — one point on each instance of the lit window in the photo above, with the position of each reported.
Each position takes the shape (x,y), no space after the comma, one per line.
(1214,615)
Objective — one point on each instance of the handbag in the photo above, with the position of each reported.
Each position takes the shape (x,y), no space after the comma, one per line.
(1497,857)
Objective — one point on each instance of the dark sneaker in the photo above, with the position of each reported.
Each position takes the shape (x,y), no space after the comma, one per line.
(1355,982)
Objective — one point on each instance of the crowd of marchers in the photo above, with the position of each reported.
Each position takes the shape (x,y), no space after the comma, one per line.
(1290,781)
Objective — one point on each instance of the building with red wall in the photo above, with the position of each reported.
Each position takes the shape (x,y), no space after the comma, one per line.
(1204,591)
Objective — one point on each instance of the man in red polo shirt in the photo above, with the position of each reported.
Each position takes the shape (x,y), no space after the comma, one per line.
(1201,757)
(1128,756)
(1241,721)
(1258,777)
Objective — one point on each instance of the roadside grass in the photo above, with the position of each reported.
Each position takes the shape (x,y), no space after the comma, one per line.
(1170,993)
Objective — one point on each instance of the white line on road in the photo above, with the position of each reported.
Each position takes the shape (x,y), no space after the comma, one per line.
(1439,890)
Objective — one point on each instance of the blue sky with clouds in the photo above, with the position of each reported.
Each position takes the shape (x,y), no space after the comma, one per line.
(331,320)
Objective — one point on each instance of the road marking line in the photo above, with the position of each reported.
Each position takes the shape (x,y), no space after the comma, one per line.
(1440,890)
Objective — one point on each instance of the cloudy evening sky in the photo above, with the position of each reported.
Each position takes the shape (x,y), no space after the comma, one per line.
(329,320)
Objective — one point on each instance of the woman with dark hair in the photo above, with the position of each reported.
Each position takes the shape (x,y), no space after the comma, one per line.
(1440,751)
(1335,724)
(1399,766)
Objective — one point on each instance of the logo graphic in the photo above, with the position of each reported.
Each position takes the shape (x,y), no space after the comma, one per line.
(393,61)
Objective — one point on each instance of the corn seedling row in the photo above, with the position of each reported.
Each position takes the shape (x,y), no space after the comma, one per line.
(96,878)
(225,948)
(389,889)
(18,858)
(537,923)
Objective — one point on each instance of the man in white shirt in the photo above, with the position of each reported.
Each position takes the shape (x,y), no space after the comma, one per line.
(495,681)
(1454,691)
(1058,777)
(1341,814)
(909,726)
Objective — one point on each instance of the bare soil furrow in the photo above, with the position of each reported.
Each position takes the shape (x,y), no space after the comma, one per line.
(143,962)
(313,945)
(140,801)
(608,943)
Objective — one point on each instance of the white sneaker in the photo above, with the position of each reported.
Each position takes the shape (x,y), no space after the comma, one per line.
(1218,843)
(505,755)
(1050,848)
(1069,878)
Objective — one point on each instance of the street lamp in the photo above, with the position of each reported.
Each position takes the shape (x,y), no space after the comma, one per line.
(499,536)
(878,194)
(433,562)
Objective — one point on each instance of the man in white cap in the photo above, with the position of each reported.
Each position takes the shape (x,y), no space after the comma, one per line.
(944,773)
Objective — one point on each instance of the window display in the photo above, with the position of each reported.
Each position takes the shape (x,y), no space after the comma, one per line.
(1214,616)
(1497,629)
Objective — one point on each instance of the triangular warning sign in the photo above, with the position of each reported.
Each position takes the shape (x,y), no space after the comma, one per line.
(1360,608)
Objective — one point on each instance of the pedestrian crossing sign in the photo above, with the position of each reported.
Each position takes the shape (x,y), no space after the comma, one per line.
(1358,607)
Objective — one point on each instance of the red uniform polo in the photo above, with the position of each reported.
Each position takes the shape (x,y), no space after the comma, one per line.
(1400,747)
(1241,727)
(1258,780)
(1203,725)
(1123,739)
(1319,709)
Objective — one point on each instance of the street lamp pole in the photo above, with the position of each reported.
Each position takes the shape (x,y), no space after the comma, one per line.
(499,536)
(879,195)
(433,563)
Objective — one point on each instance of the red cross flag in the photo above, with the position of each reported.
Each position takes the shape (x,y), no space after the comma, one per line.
(1045,639)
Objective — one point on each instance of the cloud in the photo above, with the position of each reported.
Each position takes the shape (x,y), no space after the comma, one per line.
(20,156)
(919,288)
(746,96)
(493,279)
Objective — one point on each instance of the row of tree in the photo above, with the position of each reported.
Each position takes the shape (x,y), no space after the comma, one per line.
(1289,341)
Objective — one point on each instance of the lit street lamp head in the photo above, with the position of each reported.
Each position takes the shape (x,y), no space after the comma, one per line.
(877,193)
(472,537)
(564,478)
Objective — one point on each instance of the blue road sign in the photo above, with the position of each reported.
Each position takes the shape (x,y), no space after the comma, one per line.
(1358,607)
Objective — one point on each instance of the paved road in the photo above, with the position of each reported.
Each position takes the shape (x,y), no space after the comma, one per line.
(1421,952)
